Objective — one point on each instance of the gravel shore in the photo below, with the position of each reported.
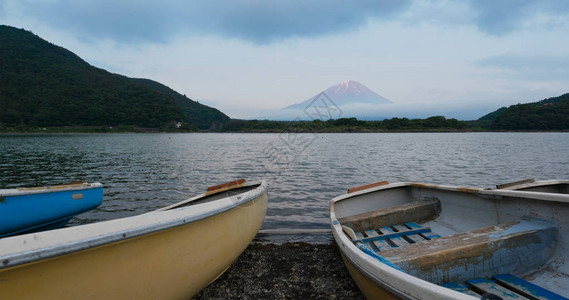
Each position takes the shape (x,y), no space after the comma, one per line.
(293,270)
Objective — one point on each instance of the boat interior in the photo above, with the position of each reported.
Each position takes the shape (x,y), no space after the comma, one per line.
(462,240)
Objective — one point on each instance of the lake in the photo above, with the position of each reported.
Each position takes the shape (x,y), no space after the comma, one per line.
(142,172)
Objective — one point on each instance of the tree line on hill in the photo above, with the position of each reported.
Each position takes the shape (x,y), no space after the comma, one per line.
(547,114)
(435,123)
(44,85)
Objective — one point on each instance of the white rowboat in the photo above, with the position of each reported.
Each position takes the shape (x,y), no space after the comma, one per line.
(421,241)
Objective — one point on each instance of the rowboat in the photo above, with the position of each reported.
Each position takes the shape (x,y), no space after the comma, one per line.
(170,253)
(422,241)
(531,185)
(34,209)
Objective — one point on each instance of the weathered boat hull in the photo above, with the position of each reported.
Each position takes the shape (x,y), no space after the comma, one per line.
(481,233)
(175,258)
(370,288)
(35,209)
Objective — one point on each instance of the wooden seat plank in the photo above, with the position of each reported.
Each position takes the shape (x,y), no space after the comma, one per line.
(392,236)
(382,245)
(371,233)
(525,288)
(390,233)
(483,285)
(379,244)
(459,287)
(413,225)
(415,238)
(430,235)
(418,211)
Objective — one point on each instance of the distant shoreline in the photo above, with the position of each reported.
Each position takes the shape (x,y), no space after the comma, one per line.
(434,130)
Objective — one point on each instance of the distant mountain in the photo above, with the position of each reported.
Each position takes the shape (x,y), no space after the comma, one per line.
(547,114)
(344,93)
(46,85)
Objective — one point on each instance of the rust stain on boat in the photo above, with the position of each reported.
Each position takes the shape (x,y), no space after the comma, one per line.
(468,190)
(423,185)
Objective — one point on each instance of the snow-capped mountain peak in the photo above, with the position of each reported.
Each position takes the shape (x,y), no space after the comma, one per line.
(346,92)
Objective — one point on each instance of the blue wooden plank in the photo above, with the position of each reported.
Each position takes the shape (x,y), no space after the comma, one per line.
(431,235)
(413,225)
(483,285)
(459,287)
(392,237)
(410,238)
(396,234)
(371,233)
(380,258)
(525,288)
(379,244)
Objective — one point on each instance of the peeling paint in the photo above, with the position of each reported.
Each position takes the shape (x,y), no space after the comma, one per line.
(480,253)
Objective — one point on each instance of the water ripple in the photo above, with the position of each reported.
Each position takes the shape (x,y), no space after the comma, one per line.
(142,172)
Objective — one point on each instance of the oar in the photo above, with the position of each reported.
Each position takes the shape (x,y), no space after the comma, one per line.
(350,232)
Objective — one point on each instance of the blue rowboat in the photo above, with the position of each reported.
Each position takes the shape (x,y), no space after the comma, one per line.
(35,209)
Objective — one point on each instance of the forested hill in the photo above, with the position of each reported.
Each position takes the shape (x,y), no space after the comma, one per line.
(42,84)
(547,114)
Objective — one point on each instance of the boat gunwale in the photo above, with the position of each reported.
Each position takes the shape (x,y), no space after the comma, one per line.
(168,219)
(402,281)
(490,193)
(49,189)
(536,183)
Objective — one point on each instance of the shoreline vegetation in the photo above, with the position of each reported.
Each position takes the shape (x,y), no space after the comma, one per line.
(343,125)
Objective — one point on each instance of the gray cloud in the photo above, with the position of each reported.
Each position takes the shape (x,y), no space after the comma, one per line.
(502,17)
(258,21)
(532,66)
(264,22)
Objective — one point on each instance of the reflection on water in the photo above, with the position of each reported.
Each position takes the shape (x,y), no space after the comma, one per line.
(142,172)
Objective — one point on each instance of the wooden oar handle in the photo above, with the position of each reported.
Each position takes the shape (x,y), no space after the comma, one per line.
(225,185)
(367,186)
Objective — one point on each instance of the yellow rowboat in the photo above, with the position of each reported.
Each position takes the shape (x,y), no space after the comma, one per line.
(422,241)
(171,253)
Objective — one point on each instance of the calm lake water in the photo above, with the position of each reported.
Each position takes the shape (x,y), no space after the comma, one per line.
(142,172)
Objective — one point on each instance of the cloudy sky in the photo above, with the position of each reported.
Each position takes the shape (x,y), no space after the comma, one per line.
(250,58)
